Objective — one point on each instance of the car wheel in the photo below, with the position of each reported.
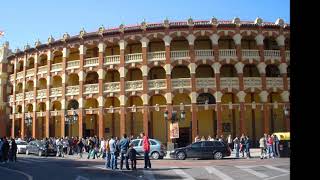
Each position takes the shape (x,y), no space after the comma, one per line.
(40,153)
(217,155)
(181,156)
(27,152)
(155,155)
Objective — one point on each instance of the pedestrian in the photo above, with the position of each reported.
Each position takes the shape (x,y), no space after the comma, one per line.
(276,145)
(113,146)
(65,145)
(1,154)
(221,139)
(59,147)
(247,143)
(92,151)
(229,141)
(124,146)
(103,148)
(46,146)
(132,155)
(80,147)
(269,147)
(197,138)
(262,145)
(209,138)
(5,149)
(236,147)
(108,154)
(242,145)
(146,150)
(13,150)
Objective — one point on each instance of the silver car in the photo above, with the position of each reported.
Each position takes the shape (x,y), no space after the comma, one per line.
(22,146)
(157,149)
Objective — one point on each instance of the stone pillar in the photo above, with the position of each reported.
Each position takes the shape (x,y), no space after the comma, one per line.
(101,75)
(241,96)
(144,43)
(24,96)
(122,45)
(81,75)
(218,96)
(48,102)
(63,97)
(35,85)
(14,97)
(264,99)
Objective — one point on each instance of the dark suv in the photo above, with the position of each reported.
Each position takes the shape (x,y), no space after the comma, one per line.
(203,150)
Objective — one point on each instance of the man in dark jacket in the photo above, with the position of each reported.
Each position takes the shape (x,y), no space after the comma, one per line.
(5,149)
(124,146)
(13,150)
(132,155)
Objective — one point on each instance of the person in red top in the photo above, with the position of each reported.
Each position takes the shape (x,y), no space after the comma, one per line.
(146,149)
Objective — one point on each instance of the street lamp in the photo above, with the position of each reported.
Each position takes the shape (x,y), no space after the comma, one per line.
(71,119)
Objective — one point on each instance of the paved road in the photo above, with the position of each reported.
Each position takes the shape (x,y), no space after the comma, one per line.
(33,168)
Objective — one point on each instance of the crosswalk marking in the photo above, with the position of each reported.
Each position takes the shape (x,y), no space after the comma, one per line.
(218,173)
(149,175)
(251,171)
(277,169)
(181,173)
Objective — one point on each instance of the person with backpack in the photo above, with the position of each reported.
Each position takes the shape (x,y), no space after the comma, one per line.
(132,155)
(80,147)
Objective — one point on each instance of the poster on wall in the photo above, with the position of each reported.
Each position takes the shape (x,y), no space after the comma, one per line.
(174,130)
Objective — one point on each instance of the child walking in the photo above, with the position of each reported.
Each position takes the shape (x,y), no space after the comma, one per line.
(132,155)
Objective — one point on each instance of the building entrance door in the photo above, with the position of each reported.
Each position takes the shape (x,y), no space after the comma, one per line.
(184,137)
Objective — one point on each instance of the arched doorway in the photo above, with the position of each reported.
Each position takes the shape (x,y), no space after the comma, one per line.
(158,124)
(112,117)
(134,119)
(90,124)
(207,122)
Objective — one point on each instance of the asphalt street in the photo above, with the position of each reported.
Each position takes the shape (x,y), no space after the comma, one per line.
(72,168)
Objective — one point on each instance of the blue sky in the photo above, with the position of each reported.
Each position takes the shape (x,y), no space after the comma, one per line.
(26,21)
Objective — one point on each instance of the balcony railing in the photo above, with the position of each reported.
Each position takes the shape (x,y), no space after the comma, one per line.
(12,77)
(56,67)
(19,75)
(19,97)
(204,54)
(91,88)
(276,82)
(91,62)
(108,60)
(55,92)
(134,85)
(157,56)
(227,53)
(72,90)
(272,54)
(41,114)
(181,83)
(205,83)
(41,93)
(30,72)
(73,64)
(288,55)
(29,95)
(10,98)
(131,58)
(55,113)
(112,87)
(42,69)
(229,82)
(176,55)
(157,84)
(248,53)
(252,82)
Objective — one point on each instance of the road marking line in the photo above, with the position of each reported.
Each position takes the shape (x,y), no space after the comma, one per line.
(277,169)
(277,176)
(81,178)
(20,172)
(149,175)
(218,173)
(251,171)
(181,173)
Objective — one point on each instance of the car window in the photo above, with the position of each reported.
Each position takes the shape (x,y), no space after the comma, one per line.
(22,143)
(140,144)
(135,142)
(218,144)
(196,145)
(152,142)
(207,144)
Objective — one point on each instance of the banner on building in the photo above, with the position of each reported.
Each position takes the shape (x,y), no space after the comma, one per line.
(174,130)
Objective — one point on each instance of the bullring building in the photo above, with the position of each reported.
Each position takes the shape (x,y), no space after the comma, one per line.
(217,77)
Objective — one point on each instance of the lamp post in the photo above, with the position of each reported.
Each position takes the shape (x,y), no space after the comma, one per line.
(71,119)
(28,122)
(173,118)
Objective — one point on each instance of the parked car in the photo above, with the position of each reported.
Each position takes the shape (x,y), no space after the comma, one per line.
(202,150)
(22,146)
(157,149)
(38,147)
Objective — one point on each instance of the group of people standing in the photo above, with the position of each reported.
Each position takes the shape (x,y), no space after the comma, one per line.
(8,151)
(114,148)
(269,145)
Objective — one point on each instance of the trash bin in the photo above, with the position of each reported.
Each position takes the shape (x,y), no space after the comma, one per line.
(284,143)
